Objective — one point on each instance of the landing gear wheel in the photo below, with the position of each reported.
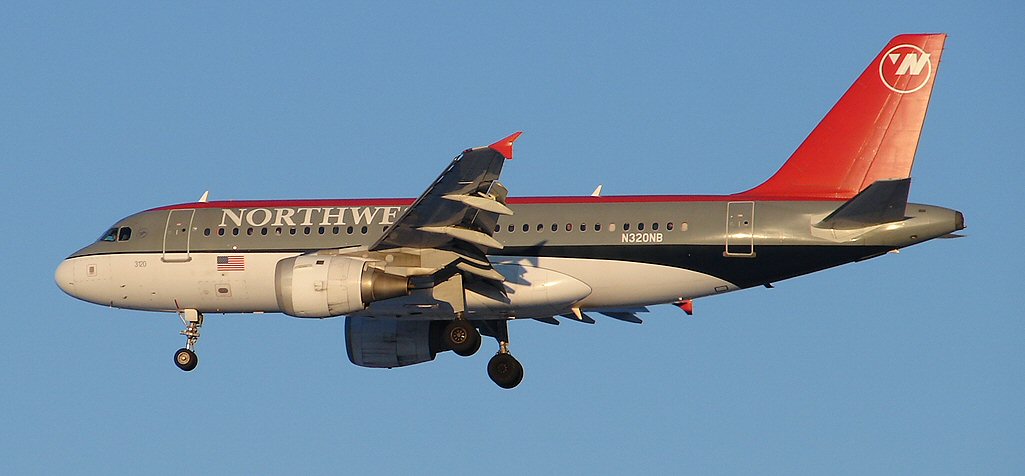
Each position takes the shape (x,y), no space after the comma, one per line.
(505,370)
(186,359)
(462,337)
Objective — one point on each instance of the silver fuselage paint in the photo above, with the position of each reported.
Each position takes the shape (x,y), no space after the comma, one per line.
(629,251)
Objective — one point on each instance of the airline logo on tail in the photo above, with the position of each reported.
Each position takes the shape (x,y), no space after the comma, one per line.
(905,68)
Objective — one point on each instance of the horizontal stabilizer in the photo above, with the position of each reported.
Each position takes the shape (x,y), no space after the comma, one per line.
(882,202)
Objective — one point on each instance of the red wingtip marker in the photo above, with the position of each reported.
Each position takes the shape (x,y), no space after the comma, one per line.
(505,146)
(686,306)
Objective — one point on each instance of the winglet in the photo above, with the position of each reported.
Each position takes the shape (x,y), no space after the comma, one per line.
(685,305)
(505,146)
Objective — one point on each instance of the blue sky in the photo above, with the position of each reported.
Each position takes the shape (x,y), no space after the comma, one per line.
(910,363)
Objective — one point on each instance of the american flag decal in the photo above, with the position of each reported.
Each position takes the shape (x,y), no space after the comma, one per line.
(231,263)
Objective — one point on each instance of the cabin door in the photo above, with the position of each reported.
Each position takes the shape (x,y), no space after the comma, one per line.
(177,234)
(740,226)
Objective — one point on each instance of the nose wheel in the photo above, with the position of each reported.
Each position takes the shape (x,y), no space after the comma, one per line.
(186,358)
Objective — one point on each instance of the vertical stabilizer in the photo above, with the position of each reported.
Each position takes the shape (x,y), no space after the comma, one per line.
(871,133)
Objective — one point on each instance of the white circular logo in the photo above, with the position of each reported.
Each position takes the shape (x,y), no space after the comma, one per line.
(905,68)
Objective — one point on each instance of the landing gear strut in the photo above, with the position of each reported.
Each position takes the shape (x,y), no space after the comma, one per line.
(462,337)
(503,368)
(186,358)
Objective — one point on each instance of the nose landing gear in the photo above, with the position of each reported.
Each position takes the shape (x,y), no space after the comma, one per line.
(186,358)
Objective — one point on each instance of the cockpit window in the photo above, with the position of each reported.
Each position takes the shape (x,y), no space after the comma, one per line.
(117,234)
(110,235)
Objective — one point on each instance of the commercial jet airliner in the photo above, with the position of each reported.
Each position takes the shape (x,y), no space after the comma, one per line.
(417,277)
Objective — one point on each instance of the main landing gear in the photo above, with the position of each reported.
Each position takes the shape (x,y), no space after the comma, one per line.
(186,358)
(461,336)
(503,368)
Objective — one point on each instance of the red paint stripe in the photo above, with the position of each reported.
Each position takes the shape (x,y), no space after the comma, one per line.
(403,202)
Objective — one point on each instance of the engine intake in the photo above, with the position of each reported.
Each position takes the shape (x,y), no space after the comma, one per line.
(328,286)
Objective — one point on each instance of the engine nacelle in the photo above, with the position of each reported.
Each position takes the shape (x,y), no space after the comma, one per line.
(387,343)
(328,286)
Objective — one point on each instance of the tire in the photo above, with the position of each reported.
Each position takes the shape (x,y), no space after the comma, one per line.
(505,370)
(186,359)
(462,337)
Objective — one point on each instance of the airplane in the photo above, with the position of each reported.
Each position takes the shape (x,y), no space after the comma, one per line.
(417,277)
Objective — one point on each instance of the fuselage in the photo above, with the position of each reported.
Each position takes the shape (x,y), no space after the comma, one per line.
(616,252)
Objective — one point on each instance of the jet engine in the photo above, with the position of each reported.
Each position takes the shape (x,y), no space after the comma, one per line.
(328,286)
(387,343)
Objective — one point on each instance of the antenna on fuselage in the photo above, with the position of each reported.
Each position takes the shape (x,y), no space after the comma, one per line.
(597,191)
(205,198)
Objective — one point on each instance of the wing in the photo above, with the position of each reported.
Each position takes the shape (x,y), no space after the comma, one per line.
(458,212)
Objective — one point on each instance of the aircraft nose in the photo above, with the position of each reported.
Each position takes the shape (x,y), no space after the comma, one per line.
(65,277)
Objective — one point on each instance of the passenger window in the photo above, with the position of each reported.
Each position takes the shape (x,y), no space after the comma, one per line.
(263,231)
(125,234)
(348,230)
(626,227)
(569,227)
(597,227)
(220,232)
(234,231)
(511,228)
(669,226)
(555,227)
(336,230)
(206,232)
(249,231)
(540,227)
(498,228)
(363,230)
(654,226)
(640,227)
(583,227)
(526,227)
(110,235)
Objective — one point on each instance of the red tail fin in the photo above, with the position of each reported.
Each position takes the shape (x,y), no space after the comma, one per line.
(872,132)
